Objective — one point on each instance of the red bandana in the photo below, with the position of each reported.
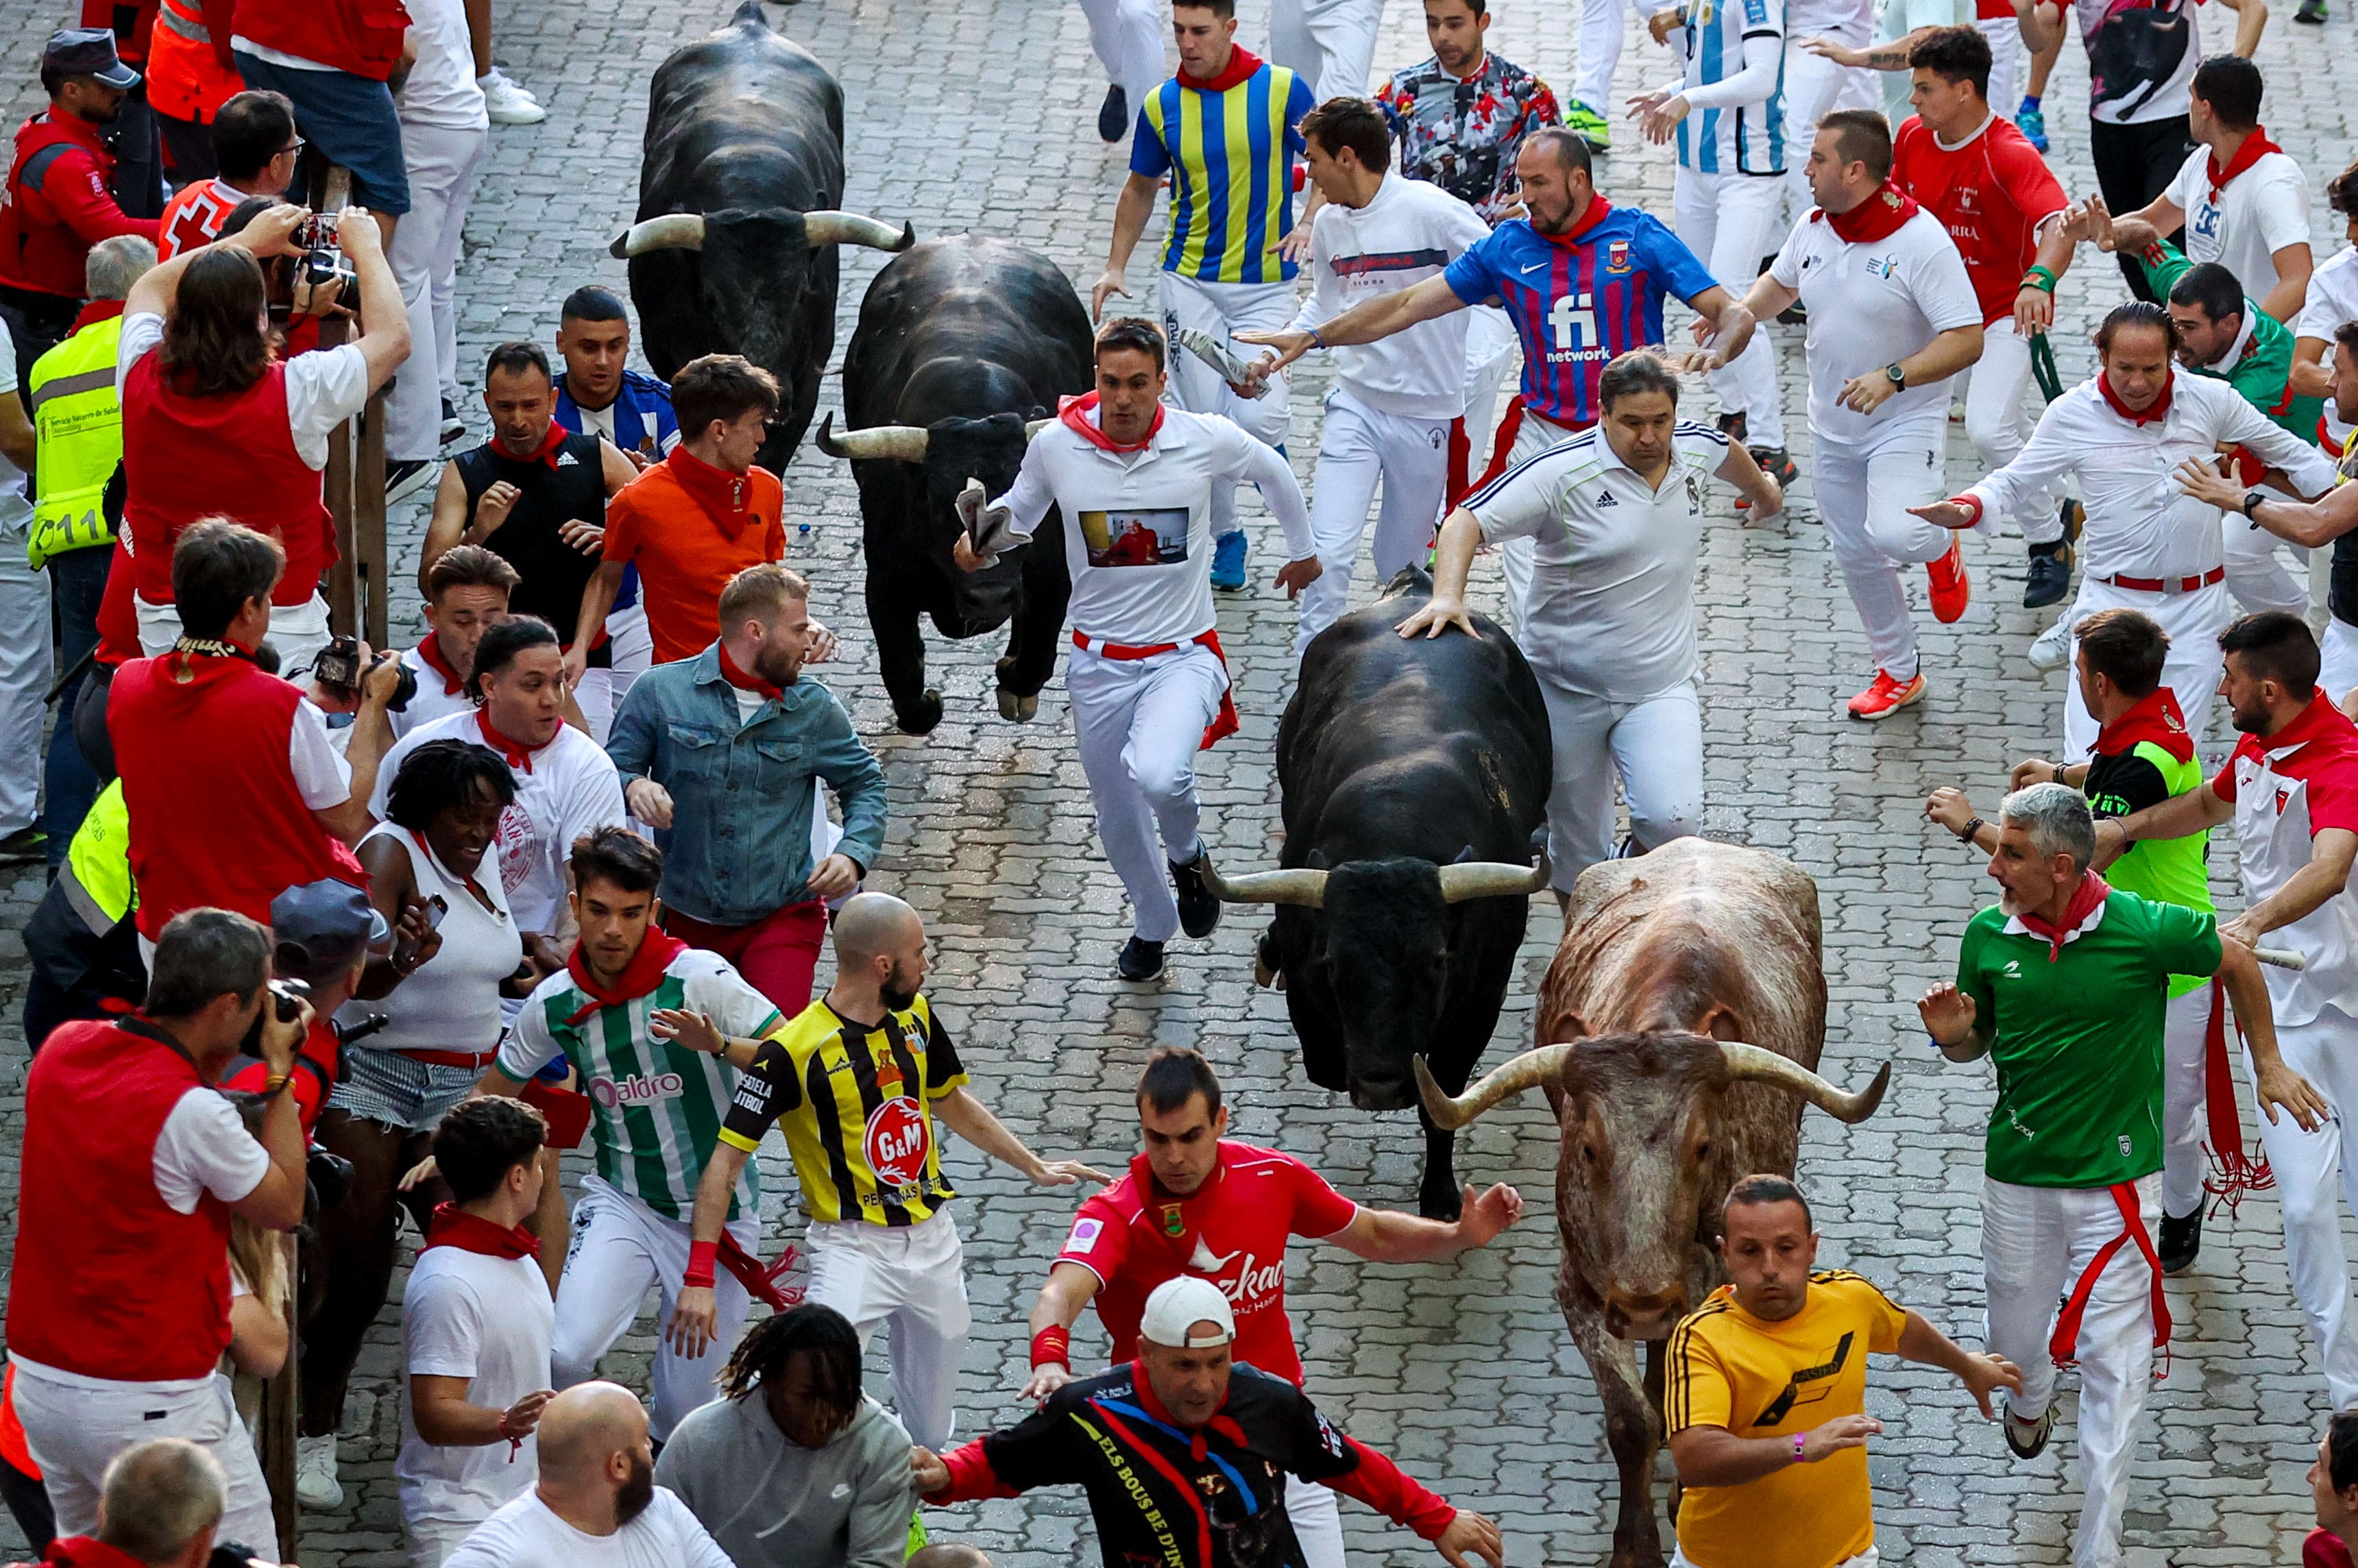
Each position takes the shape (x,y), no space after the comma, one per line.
(429,653)
(1074,413)
(519,757)
(642,975)
(2256,146)
(548,445)
(2151,416)
(737,677)
(1242,63)
(2156,718)
(454,1227)
(724,496)
(1594,214)
(2092,891)
(1876,217)
(96,310)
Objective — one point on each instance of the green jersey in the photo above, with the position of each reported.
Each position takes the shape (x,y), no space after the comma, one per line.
(2142,759)
(657,1106)
(2075,1032)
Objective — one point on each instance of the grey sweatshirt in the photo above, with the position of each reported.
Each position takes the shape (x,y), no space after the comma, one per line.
(774,1505)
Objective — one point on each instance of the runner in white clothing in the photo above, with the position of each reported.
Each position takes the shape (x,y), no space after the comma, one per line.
(2148,545)
(1816,83)
(1390,413)
(2332,300)
(1330,44)
(1892,316)
(1128,37)
(1610,627)
(1134,480)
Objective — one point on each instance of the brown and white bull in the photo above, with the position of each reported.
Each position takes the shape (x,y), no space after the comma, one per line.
(1684,1016)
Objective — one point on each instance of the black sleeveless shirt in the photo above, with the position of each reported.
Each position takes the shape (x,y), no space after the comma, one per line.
(554,572)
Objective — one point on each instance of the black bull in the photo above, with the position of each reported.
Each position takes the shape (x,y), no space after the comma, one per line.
(961,341)
(734,249)
(1413,773)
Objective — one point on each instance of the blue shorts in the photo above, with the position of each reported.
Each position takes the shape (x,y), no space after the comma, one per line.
(348,120)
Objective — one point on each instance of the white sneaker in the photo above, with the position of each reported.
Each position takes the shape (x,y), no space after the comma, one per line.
(2053,649)
(507,104)
(316,1486)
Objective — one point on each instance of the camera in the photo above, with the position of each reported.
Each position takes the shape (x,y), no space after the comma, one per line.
(339,669)
(323,261)
(286,999)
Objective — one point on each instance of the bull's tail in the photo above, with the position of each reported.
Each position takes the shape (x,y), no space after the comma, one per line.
(752,11)
(1408,579)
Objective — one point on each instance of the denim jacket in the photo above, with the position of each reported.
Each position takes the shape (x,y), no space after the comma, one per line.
(738,847)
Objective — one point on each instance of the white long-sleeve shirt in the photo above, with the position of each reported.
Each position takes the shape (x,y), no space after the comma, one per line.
(1138,530)
(1408,231)
(2139,522)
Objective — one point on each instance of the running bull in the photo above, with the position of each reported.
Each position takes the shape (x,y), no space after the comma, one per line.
(1413,775)
(960,340)
(1685,1012)
(734,250)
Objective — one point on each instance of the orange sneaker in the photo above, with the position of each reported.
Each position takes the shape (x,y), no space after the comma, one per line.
(1886,697)
(1952,589)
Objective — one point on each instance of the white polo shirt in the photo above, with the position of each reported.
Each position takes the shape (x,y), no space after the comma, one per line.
(2332,299)
(1872,304)
(433,700)
(1407,232)
(2286,788)
(1138,530)
(491,1321)
(2261,212)
(1611,611)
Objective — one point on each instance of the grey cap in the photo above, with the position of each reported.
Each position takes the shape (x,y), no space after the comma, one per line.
(320,927)
(88,51)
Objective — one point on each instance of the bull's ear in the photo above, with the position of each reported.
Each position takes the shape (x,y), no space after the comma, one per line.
(1721,1023)
(1571,1026)
(1317,861)
(1037,413)
(1464,857)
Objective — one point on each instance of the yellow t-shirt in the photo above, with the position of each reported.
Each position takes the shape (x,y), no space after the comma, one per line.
(1728,1369)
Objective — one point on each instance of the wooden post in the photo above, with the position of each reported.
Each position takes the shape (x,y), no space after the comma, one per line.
(358,587)
(279,1414)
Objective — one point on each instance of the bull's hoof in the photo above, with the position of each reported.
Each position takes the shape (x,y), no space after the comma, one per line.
(1265,969)
(920,718)
(1446,1206)
(1017,709)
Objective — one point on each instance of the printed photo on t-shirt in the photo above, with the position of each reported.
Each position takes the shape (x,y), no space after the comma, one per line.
(1155,538)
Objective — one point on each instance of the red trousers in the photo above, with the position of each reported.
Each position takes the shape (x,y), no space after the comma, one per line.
(776,954)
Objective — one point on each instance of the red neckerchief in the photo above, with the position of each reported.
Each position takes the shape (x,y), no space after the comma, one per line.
(429,653)
(2092,891)
(454,1227)
(642,975)
(2151,416)
(87,1551)
(2156,718)
(743,682)
(1594,214)
(2314,720)
(518,756)
(1876,217)
(547,450)
(1074,413)
(96,310)
(725,497)
(2256,146)
(1242,63)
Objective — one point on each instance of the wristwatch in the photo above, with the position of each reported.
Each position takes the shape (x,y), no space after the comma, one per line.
(1899,377)
(2251,499)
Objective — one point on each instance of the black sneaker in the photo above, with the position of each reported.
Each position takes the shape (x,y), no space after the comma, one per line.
(2027,1439)
(407,478)
(2182,1240)
(1114,114)
(23,847)
(2312,12)
(2073,516)
(453,427)
(1777,463)
(1731,427)
(2050,576)
(1199,911)
(1139,959)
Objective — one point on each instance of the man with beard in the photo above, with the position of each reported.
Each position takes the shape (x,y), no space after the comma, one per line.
(2063,984)
(597,1501)
(722,750)
(856,1082)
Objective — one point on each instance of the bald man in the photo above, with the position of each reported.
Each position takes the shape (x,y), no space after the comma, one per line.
(597,1478)
(857,1082)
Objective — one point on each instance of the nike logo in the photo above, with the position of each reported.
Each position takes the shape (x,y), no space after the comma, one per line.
(1533,267)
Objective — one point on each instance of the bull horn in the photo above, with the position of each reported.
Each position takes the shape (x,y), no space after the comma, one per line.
(1528,1071)
(1306,888)
(832,228)
(898,443)
(1750,1064)
(1034,427)
(1491,879)
(673,231)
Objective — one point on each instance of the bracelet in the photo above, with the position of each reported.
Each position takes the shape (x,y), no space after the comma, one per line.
(1965,834)
(702,1257)
(1052,1346)
(2059,774)
(2040,278)
(274,1082)
(1799,1439)
(1316,341)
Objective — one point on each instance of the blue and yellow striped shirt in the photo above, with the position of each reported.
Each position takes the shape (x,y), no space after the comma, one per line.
(1228,150)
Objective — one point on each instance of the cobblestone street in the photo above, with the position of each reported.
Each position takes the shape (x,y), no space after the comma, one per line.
(979,115)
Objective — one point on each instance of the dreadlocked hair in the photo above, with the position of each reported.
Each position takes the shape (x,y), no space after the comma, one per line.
(823,1334)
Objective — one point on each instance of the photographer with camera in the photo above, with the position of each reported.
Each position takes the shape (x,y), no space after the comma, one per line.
(132,1165)
(327,938)
(161,1508)
(214,423)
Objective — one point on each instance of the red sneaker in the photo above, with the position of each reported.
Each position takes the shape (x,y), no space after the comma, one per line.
(1886,697)
(1952,589)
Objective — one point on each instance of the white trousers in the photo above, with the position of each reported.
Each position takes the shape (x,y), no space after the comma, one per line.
(1224,309)
(1654,747)
(2312,1170)
(432,1541)
(620,1249)
(2037,1244)
(1535,436)
(1730,221)
(26,669)
(912,1278)
(2336,669)
(1864,495)
(1317,1522)
(1358,447)
(444,165)
(2193,622)
(1814,88)
(1998,421)
(1492,353)
(75,1433)
(1601,26)
(1870,1558)
(2258,574)
(1330,44)
(2185,1121)
(1128,37)
(1139,723)
(2005,36)
(298,632)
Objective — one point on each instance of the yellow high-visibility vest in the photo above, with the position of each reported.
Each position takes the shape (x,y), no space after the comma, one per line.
(97,872)
(78,423)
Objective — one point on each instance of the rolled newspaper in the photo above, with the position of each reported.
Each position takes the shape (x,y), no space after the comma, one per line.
(2282,958)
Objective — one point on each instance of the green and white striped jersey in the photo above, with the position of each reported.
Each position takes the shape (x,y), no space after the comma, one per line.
(657,1106)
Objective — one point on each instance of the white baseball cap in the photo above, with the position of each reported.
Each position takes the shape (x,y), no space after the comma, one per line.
(1178,1305)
